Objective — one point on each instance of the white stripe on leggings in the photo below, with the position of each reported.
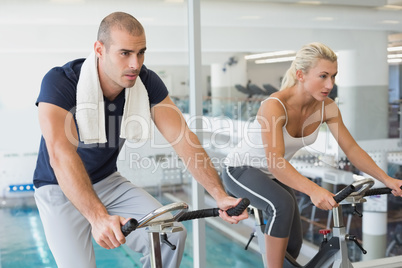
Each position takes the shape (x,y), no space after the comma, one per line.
(257,195)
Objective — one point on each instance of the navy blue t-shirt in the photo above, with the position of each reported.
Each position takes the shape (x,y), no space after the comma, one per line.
(59,87)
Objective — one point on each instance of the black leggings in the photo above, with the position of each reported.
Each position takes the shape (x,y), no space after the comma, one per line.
(276,200)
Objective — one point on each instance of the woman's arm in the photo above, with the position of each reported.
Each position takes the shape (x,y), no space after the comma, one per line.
(271,117)
(359,158)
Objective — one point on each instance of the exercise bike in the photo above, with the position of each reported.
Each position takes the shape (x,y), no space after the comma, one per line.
(159,222)
(332,252)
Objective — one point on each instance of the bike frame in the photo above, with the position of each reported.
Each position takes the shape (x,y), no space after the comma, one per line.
(155,226)
(160,221)
(335,252)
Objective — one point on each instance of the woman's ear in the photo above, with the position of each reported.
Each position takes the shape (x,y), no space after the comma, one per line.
(300,75)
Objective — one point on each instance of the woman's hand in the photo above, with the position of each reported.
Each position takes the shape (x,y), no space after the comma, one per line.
(395,185)
(323,198)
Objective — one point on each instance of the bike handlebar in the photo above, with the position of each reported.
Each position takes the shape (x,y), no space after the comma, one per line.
(378,191)
(213,212)
(358,187)
(361,188)
(344,193)
(132,224)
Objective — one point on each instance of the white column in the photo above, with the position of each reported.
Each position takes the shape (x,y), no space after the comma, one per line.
(224,77)
(363,90)
(198,194)
(363,101)
(375,216)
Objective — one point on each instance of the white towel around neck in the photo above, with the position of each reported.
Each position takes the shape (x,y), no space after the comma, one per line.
(90,114)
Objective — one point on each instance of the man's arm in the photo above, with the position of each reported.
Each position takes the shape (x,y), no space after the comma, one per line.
(171,124)
(59,131)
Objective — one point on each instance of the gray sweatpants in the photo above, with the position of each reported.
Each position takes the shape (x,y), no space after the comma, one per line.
(68,233)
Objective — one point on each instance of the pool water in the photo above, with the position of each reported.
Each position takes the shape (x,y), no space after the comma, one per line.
(23,245)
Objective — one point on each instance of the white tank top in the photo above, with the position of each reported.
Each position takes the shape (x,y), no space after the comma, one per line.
(250,150)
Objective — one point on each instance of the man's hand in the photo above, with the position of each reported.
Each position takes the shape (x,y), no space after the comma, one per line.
(229,202)
(107,231)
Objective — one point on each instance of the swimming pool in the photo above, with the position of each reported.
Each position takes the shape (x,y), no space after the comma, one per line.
(23,245)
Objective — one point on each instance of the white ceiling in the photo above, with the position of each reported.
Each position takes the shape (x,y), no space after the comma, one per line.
(226,25)
(361,3)
(333,14)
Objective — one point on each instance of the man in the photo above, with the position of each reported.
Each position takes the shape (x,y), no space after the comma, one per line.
(78,188)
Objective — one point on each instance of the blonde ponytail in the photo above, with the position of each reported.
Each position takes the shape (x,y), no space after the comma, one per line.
(306,58)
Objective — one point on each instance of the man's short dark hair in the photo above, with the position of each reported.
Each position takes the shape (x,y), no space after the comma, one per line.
(122,21)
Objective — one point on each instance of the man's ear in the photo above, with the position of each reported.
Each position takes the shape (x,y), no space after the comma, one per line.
(98,48)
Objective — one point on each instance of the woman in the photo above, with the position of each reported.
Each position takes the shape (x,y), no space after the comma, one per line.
(259,169)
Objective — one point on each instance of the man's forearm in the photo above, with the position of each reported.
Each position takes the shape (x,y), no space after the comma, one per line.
(200,165)
(76,184)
